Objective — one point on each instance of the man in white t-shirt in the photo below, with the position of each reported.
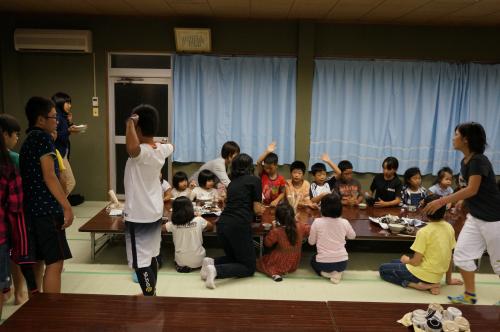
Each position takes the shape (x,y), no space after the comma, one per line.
(143,208)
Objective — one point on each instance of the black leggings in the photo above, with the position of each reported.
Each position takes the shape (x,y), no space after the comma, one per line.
(236,239)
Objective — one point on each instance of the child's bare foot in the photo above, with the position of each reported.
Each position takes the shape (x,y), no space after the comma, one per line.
(435,290)
(425,286)
(336,277)
(20,298)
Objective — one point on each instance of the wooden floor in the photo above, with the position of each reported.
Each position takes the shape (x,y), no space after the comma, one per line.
(77,312)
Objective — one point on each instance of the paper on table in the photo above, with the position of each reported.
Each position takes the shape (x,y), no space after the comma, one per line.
(115,212)
(377,221)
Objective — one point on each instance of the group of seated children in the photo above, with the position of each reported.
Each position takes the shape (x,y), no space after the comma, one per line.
(329,232)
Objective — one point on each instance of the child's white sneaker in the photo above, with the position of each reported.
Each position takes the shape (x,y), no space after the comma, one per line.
(326,275)
(211,274)
(204,264)
(336,277)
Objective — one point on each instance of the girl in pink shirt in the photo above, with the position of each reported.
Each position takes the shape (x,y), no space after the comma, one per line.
(329,234)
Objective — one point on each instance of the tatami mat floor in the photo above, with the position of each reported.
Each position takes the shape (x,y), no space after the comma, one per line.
(110,275)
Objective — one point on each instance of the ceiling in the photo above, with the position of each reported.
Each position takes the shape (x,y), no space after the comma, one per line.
(406,12)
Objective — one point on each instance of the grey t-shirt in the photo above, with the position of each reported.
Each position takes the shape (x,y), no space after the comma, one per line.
(216,166)
(485,205)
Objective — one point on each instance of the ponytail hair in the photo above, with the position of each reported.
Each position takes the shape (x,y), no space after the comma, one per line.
(286,217)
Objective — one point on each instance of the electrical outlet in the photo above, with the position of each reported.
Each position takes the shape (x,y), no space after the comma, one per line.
(95,102)
(95,111)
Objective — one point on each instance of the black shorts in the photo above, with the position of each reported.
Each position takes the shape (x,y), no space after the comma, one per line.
(49,240)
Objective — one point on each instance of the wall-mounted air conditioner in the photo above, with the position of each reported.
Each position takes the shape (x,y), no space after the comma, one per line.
(39,40)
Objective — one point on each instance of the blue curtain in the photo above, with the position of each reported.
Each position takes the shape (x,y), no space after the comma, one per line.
(483,106)
(364,111)
(250,100)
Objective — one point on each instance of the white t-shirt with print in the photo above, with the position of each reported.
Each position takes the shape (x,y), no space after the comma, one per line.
(201,194)
(143,191)
(186,193)
(188,242)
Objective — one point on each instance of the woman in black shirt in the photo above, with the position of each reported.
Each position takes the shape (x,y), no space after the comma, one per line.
(244,196)
(482,196)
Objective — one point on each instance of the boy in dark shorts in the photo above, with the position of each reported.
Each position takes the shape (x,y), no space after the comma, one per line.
(48,212)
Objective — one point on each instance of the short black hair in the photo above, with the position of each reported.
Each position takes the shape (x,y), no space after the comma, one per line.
(391,163)
(439,214)
(178,178)
(241,165)
(60,98)
(297,164)
(271,159)
(442,172)
(9,124)
(475,134)
(345,165)
(409,173)
(229,148)
(148,119)
(36,107)
(182,211)
(331,206)
(5,159)
(204,176)
(318,167)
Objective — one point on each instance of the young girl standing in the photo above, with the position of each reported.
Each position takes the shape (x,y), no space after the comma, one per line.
(482,225)
(287,237)
(187,233)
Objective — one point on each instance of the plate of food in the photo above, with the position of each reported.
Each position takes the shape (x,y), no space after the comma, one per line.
(390,219)
(81,128)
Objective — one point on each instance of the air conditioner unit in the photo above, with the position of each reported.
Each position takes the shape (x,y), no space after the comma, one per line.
(39,40)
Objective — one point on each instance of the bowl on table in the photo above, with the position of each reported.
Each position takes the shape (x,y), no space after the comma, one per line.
(362,206)
(396,228)
(267,226)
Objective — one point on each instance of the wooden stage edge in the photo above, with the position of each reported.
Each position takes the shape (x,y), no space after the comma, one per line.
(86,312)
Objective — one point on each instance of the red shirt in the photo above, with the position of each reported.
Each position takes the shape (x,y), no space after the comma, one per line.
(12,224)
(271,189)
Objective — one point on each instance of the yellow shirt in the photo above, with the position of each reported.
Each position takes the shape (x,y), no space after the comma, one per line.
(60,161)
(435,242)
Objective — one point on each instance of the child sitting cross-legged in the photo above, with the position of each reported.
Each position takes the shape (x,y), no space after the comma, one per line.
(287,237)
(433,249)
(187,232)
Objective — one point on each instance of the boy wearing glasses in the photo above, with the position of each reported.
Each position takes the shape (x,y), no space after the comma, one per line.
(48,212)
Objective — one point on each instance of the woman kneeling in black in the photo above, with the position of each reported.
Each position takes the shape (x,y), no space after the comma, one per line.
(244,196)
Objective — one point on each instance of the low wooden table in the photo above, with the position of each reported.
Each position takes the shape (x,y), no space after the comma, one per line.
(381,316)
(103,223)
(107,225)
(85,312)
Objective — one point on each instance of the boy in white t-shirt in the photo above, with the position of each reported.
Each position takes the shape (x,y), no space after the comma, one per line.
(143,208)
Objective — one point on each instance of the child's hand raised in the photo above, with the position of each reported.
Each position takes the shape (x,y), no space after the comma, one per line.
(325,157)
(271,147)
